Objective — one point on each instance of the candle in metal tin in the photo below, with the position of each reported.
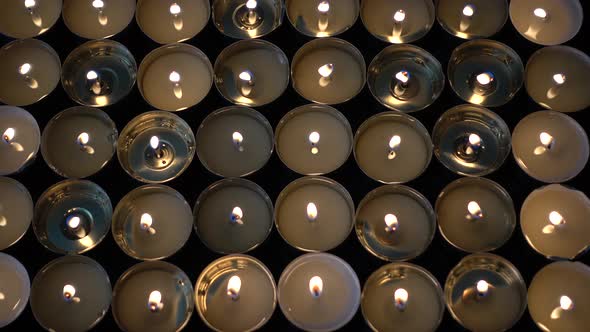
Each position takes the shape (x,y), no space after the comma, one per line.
(470,19)
(16,211)
(28,18)
(19,141)
(322,18)
(97,19)
(244,19)
(14,289)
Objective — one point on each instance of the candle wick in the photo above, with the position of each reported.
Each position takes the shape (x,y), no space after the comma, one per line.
(323,9)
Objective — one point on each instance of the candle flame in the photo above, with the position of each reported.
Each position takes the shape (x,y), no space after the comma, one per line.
(8,135)
(25,68)
(245,76)
(559,78)
(482,287)
(69,291)
(399,16)
(474,209)
(312,212)
(237,137)
(91,75)
(236,215)
(251,4)
(474,139)
(316,285)
(326,70)
(30,4)
(391,223)
(174,77)
(395,142)
(73,222)
(540,12)
(484,78)
(233,287)
(175,9)
(401,298)
(146,221)
(566,303)
(83,138)
(154,142)
(98,4)
(545,139)
(469,10)
(314,137)
(556,218)
(403,76)
(155,301)
(324,7)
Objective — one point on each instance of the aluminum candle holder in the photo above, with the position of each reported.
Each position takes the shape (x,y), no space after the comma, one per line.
(16,212)
(26,19)
(245,19)
(16,287)
(470,19)
(322,18)
(20,139)
(97,19)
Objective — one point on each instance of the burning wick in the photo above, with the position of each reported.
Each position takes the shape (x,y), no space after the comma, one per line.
(475,212)
(555,220)
(233,287)
(482,288)
(155,301)
(146,222)
(83,140)
(69,293)
(391,223)
(246,83)
(323,9)
(325,72)
(236,216)
(314,139)
(238,138)
(73,222)
(176,19)
(540,13)
(96,87)
(394,144)
(474,143)
(547,142)
(398,19)
(468,12)
(401,299)
(566,303)
(312,212)
(102,18)
(174,77)
(316,285)
(484,79)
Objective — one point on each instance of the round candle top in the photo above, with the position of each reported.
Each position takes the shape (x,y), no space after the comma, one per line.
(251,72)
(20,139)
(14,289)
(72,216)
(314,213)
(172,21)
(314,139)
(175,77)
(391,147)
(152,222)
(471,140)
(405,78)
(85,134)
(28,18)
(469,19)
(97,19)
(550,146)
(485,293)
(554,220)
(328,71)
(235,293)
(16,211)
(398,21)
(547,22)
(558,297)
(475,214)
(243,141)
(233,216)
(153,296)
(402,297)
(83,294)
(30,70)
(244,19)
(556,78)
(322,18)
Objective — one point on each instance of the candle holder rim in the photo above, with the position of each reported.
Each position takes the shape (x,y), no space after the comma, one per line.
(22,270)
(32,120)
(275,25)
(22,188)
(291,20)
(65,20)
(41,31)
(454,33)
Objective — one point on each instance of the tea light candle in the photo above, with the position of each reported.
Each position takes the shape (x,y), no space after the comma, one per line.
(554,220)
(236,286)
(153,296)
(314,139)
(485,292)
(319,292)
(547,22)
(233,216)
(251,72)
(398,21)
(172,21)
(83,294)
(314,214)
(97,19)
(20,139)
(244,19)
(243,141)
(470,19)
(328,71)
(175,77)
(152,222)
(30,70)
(395,222)
(156,147)
(72,216)
(402,296)
(322,18)
(85,134)
(14,289)
(28,18)
(391,147)
(16,211)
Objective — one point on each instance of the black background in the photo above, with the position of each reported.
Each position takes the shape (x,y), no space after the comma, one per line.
(440,257)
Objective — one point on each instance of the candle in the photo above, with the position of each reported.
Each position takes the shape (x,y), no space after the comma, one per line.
(391,147)
(556,77)
(471,140)
(243,141)
(319,292)
(20,139)
(156,147)
(152,222)
(475,214)
(314,139)
(485,72)
(99,73)
(547,22)
(251,72)
(398,21)
(328,71)
(402,296)
(16,211)
(97,19)
(30,70)
(175,77)
(172,21)
(235,293)
(395,222)
(85,134)
(485,292)
(28,18)
(14,289)
(470,19)
(314,214)
(244,19)
(233,216)
(71,293)
(72,216)
(322,18)
(153,296)
(554,221)
(405,78)
(550,146)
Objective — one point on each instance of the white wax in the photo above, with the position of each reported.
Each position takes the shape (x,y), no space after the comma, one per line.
(16,211)
(18,151)
(18,21)
(14,289)
(88,19)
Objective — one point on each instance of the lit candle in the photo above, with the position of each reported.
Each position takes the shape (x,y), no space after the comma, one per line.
(398,21)
(19,141)
(97,19)
(472,19)
(16,211)
(245,19)
(322,18)
(28,18)
(14,289)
